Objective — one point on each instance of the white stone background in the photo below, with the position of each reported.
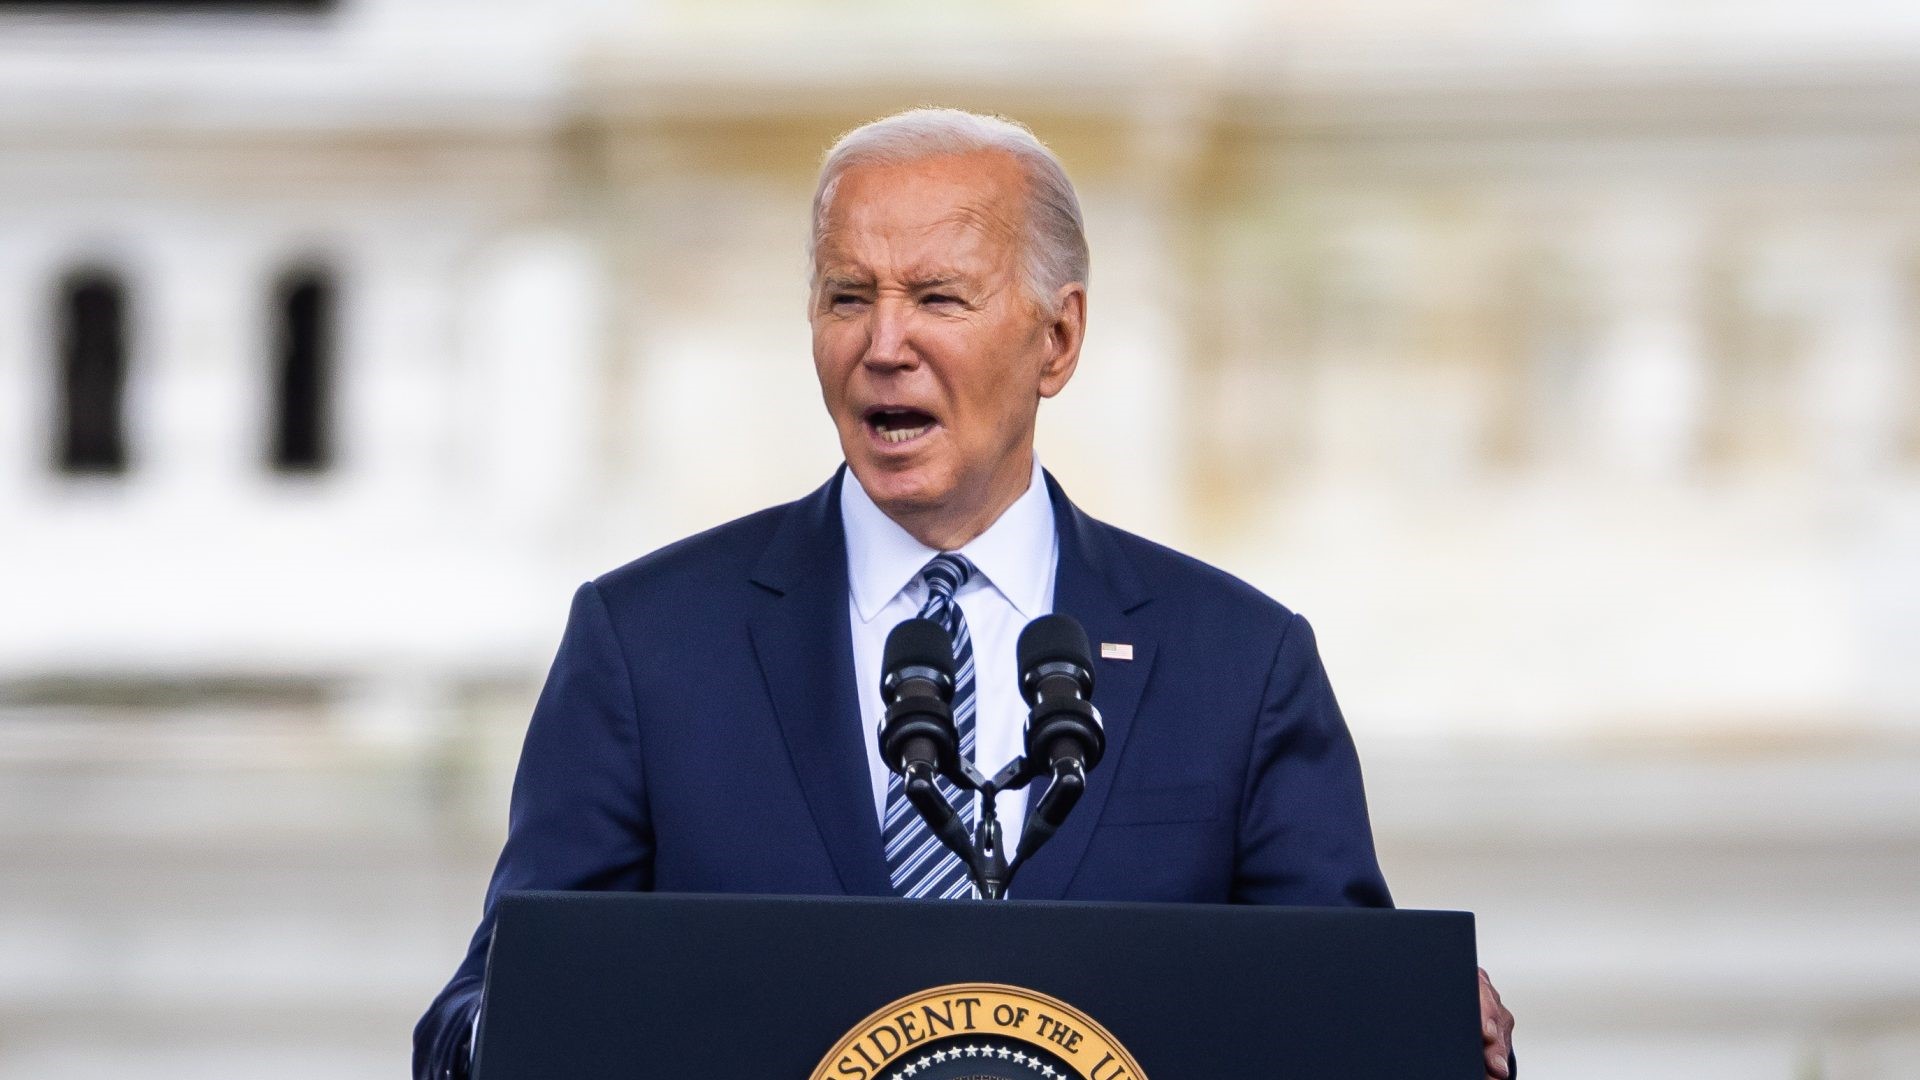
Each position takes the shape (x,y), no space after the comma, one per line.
(1560,360)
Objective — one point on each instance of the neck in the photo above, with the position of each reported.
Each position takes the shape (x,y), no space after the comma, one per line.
(950,528)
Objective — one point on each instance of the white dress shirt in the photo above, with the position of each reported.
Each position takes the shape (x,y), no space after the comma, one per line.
(1012,584)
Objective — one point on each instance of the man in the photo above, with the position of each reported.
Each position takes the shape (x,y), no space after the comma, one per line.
(707,725)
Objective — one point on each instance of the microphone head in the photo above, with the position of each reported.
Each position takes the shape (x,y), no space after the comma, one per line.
(919,646)
(916,682)
(1054,644)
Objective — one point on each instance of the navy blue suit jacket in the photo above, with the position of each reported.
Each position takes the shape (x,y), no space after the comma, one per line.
(699,733)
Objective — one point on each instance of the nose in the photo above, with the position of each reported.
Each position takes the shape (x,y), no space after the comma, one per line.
(889,335)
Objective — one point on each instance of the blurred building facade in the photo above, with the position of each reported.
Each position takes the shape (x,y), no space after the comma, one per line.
(1562,363)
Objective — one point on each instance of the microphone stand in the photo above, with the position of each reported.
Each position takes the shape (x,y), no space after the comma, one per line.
(984,854)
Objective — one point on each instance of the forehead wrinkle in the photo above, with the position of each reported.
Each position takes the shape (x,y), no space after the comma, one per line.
(933,258)
(985,242)
(972,237)
(982,217)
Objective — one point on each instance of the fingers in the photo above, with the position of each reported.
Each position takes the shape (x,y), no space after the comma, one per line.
(1496,1029)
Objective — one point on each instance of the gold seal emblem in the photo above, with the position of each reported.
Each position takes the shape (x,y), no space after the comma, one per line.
(978,1031)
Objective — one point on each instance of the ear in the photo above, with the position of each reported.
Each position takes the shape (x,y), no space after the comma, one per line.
(1065,330)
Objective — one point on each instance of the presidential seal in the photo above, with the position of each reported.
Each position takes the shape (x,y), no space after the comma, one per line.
(978,1031)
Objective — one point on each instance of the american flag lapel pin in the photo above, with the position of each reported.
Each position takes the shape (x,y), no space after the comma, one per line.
(1115,650)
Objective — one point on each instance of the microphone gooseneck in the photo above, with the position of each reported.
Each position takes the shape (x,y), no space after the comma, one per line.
(1064,735)
(918,738)
(919,741)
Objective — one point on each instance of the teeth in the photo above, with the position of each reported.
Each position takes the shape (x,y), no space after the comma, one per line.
(900,435)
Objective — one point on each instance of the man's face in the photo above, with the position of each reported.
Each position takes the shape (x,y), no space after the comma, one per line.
(931,353)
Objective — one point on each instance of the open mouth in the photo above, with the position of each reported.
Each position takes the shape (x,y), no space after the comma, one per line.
(899,425)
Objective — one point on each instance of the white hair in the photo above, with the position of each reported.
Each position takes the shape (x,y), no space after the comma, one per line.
(1055,247)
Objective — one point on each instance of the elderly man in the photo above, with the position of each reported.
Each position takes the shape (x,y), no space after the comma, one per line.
(707,724)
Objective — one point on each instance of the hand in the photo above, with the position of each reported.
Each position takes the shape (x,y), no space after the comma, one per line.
(1496,1029)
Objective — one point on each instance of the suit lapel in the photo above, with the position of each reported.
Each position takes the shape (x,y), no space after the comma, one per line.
(803,643)
(1096,584)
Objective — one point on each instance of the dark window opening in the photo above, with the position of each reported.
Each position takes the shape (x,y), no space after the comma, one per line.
(303,371)
(91,434)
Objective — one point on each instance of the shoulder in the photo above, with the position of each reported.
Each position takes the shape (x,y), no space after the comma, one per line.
(1204,616)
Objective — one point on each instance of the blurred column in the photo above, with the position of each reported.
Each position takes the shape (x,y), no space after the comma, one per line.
(1866,356)
(396,373)
(1908,443)
(1852,382)
(1647,376)
(1362,340)
(26,376)
(1464,365)
(196,315)
(533,342)
(1554,330)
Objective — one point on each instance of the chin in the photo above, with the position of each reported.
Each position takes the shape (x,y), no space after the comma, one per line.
(900,491)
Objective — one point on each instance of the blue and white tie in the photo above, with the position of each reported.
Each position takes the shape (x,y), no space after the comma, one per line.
(919,864)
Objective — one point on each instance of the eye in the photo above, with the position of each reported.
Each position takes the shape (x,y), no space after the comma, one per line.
(844,300)
(939,299)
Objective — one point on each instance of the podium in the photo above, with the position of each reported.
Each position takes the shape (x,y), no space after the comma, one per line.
(597,986)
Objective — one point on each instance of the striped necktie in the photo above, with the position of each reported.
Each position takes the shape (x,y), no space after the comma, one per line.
(919,864)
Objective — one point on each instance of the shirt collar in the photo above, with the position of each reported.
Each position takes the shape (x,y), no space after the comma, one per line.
(1015,555)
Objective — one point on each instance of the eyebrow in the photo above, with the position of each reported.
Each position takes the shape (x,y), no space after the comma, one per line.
(942,281)
(850,283)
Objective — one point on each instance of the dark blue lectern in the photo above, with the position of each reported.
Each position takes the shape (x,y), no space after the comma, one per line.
(598,986)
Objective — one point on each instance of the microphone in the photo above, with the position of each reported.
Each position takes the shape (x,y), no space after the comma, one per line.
(1064,735)
(916,683)
(918,739)
(1056,678)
